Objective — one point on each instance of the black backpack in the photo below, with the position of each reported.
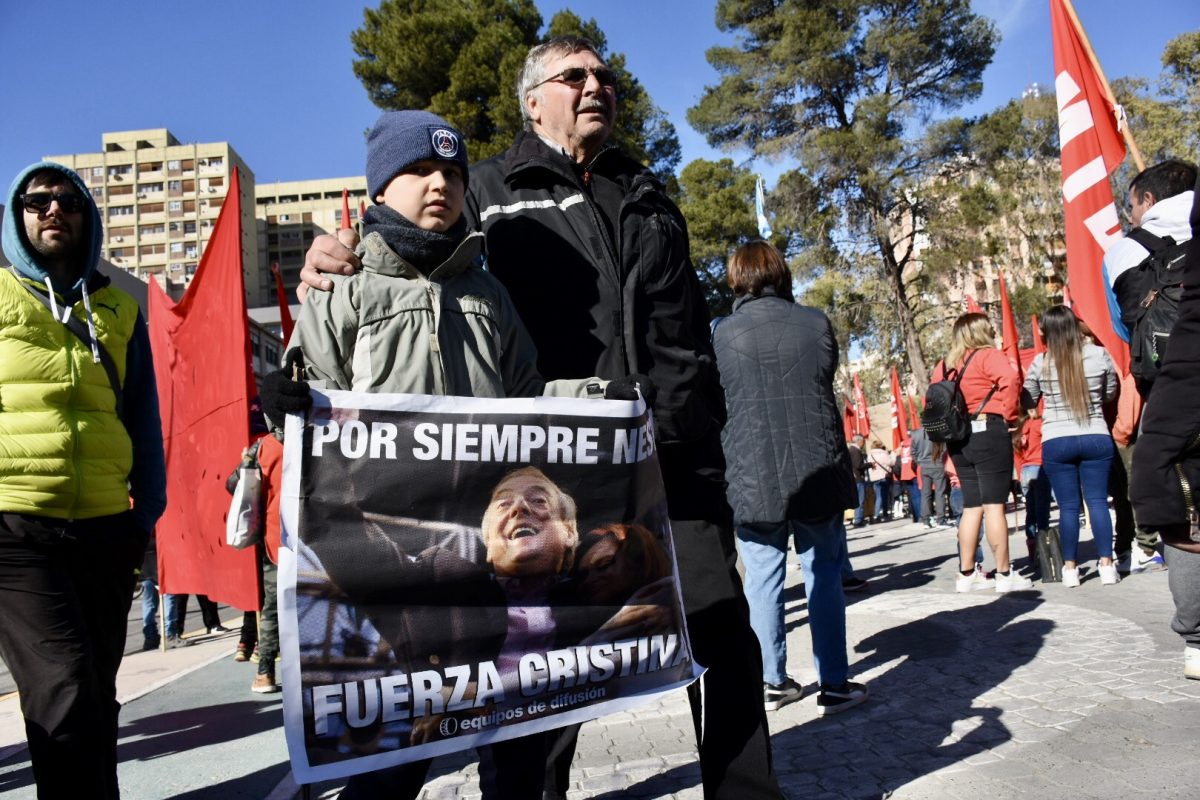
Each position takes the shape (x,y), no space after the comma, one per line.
(1149,298)
(945,418)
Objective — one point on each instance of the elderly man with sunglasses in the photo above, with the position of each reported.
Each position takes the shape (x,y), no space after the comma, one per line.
(82,479)
(595,257)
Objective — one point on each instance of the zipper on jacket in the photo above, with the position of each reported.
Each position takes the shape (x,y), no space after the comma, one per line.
(434,348)
(75,378)
(1189,498)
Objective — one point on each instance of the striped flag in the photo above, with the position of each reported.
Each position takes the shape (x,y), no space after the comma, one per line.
(760,210)
(1091,148)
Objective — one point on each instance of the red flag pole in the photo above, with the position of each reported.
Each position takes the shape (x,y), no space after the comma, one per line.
(345,209)
(285,311)
(862,419)
(1091,146)
(1009,338)
(1039,346)
(1112,98)
(912,412)
(899,429)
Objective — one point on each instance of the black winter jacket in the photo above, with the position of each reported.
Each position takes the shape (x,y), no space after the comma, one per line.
(784,444)
(1170,431)
(592,308)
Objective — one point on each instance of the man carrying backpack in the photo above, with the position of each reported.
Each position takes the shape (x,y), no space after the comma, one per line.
(1138,267)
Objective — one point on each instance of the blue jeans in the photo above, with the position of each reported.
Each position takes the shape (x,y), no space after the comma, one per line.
(862,498)
(1072,463)
(883,507)
(1035,486)
(150,612)
(822,550)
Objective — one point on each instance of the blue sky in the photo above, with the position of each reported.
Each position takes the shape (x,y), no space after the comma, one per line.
(274,78)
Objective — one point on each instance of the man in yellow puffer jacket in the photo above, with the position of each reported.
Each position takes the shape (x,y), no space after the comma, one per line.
(82,478)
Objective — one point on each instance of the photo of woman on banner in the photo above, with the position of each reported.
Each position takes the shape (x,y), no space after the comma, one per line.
(439,607)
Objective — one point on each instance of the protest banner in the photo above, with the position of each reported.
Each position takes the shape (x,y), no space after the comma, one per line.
(457,571)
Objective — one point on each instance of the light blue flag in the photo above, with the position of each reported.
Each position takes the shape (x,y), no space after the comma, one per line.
(764,227)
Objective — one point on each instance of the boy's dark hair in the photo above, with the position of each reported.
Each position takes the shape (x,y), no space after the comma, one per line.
(1165,179)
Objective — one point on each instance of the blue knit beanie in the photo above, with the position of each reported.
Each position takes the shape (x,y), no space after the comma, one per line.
(401,138)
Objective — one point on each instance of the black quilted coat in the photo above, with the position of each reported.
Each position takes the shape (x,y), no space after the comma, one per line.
(784,446)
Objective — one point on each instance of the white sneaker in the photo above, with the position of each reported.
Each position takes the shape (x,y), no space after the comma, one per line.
(1191,663)
(1140,562)
(1012,582)
(1070,577)
(1108,575)
(968,583)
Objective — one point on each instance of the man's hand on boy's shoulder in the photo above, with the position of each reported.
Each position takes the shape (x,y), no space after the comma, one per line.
(330,253)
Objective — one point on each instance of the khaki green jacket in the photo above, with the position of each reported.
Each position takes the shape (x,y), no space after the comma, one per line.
(388,328)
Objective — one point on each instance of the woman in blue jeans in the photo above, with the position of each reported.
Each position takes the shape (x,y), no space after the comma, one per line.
(1076,378)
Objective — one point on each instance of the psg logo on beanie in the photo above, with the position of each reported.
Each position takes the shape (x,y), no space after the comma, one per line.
(445,143)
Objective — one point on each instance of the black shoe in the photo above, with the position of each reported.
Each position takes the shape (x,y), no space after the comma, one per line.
(859,524)
(219,628)
(836,699)
(778,695)
(150,644)
(854,584)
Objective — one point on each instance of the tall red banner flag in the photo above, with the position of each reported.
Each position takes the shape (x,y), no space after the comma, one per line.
(912,412)
(1092,148)
(345,209)
(862,418)
(848,421)
(1010,340)
(285,311)
(1039,346)
(972,306)
(899,428)
(201,349)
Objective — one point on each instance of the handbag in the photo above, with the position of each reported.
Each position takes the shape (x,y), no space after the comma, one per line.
(1049,553)
(244,524)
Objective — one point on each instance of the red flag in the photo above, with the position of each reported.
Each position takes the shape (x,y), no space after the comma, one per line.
(848,420)
(862,419)
(345,209)
(285,311)
(1092,147)
(1039,346)
(912,412)
(899,428)
(362,208)
(1066,294)
(972,306)
(201,348)
(1010,340)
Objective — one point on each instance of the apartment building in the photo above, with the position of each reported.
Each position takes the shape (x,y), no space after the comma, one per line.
(159,200)
(290,214)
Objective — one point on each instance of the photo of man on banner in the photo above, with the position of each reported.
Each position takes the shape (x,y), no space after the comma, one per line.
(462,571)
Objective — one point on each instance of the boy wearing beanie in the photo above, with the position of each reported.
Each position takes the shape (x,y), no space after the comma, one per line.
(421,283)
(422,317)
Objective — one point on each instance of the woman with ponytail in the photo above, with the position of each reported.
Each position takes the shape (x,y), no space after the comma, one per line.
(1076,378)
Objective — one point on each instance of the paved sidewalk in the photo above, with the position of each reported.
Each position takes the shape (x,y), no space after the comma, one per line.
(1038,694)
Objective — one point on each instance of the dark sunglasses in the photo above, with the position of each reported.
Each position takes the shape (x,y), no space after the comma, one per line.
(39,202)
(576,77)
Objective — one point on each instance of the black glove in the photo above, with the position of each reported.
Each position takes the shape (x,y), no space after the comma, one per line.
(281,394)
(627,388)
